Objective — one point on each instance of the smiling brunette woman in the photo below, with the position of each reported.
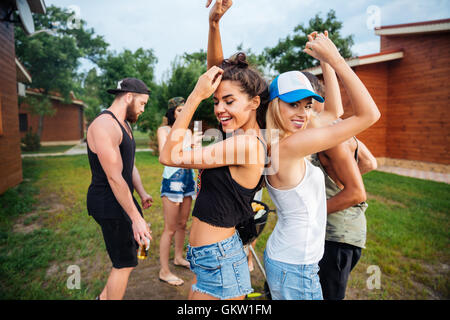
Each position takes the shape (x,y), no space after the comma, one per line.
(231,175)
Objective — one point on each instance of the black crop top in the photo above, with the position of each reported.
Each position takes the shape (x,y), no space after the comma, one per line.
(221,201)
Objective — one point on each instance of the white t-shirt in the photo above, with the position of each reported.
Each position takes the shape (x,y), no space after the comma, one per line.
(299,235)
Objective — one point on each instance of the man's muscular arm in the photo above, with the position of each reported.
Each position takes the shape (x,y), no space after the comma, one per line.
(106,138)
(146,199)
(347,171)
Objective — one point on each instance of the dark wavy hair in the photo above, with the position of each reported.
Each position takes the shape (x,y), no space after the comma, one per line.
(170,115)
(252,82)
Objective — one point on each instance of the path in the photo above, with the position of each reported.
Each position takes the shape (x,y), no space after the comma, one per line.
(76,150)
(414,173)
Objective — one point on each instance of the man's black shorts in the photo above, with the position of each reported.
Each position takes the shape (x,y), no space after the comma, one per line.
(337,262)
(120,242)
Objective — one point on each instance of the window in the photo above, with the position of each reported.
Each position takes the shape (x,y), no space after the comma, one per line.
(23,122)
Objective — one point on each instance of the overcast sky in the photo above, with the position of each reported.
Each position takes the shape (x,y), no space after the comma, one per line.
(172,27)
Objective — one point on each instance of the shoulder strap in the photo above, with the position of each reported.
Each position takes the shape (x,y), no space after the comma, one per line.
(112,114)
(265,149)
(356,151)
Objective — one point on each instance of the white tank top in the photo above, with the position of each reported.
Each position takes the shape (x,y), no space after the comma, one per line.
(299,235)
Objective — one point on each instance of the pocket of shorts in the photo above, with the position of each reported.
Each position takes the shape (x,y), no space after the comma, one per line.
(242,273)
(206,262)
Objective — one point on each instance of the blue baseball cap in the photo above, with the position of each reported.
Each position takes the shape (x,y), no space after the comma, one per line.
(292,86)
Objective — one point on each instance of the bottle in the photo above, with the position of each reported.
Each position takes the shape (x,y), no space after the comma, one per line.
(142,253)
(143,249)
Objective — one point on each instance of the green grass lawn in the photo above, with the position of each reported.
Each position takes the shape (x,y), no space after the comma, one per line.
(142,139)
(44,229)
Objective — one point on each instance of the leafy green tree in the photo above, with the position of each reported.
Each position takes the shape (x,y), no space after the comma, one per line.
(89,92)
(180,80)
(288,55)
(53,60)
(116,66)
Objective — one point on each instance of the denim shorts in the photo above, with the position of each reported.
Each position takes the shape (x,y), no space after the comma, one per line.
(221,268)
(181,184)
(292,281)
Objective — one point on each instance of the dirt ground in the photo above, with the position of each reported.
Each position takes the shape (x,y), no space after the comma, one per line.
(144,283)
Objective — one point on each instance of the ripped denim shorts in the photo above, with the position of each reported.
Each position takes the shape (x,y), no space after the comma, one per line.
(221,268)
(181,184)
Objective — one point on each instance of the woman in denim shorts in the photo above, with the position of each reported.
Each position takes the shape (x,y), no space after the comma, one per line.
(227,184)
(177,192)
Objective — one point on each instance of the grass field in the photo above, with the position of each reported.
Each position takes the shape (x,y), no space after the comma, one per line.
(44,228)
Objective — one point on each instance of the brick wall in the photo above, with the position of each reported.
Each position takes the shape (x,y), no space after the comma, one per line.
(10,160)
(64,125)
(418,126)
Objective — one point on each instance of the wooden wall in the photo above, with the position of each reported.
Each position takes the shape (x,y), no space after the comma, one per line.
(419,97)
(10,159)
(67,124)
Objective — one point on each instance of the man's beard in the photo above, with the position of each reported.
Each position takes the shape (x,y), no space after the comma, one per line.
(131,115)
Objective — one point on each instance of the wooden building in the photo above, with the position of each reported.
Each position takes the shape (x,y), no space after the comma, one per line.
(409,80)
(10,154)
(65,127)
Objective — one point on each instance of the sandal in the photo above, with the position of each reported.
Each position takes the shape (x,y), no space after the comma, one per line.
(171,280)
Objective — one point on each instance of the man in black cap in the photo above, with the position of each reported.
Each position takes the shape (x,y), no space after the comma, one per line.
(110,201)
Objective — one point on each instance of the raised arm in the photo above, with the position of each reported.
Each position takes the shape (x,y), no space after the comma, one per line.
(366,160)
(215,51)
(365,111)
(333,108)
(236,150)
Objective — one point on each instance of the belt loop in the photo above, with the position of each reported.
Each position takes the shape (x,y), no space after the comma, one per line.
(222,251)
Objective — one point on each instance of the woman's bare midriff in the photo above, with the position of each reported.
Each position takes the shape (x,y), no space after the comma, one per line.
(203,234)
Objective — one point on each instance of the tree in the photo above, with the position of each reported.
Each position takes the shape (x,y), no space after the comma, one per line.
(89,92)
(116,66)
(288,55)
(180,80)
(53,60)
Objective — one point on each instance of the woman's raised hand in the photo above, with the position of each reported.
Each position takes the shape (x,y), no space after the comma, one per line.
(322,48)
(208,83)
(219,9)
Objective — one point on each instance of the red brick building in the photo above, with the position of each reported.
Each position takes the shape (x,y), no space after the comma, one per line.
(66,126)
(10,155)
(409,80)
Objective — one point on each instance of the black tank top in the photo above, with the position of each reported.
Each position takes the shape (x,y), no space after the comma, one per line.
(101,202)
(221,201)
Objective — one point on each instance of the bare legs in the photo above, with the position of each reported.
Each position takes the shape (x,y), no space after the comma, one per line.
(175,218)
(116,284)
(195,295)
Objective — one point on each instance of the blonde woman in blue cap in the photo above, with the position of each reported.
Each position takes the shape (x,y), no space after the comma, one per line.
(296,187)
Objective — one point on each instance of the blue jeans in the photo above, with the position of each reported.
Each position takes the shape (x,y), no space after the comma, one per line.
(292,281)
(221,268)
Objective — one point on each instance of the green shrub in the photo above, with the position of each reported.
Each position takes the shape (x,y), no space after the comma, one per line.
(31,141)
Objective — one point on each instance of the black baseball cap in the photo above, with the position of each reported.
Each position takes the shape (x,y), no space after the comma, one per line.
(130,85)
